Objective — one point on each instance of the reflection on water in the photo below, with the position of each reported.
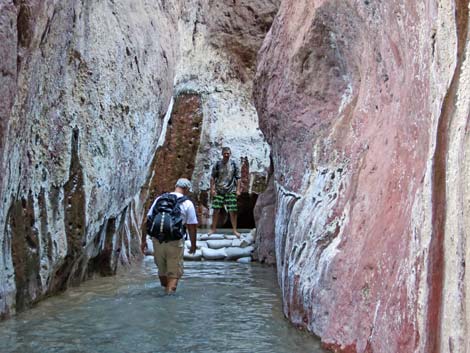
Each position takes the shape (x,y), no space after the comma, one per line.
(218,307)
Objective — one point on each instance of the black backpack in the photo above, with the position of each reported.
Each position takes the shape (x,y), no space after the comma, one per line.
(165,222)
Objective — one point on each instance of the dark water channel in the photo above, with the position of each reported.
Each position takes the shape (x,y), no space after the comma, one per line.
(219,307)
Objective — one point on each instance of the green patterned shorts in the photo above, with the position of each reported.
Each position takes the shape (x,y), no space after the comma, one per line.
(229,200)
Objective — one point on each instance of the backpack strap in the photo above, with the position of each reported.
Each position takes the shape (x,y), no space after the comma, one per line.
(217,166)
(235,168)
(181,199)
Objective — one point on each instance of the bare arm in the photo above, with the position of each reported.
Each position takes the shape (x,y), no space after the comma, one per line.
(192,230)
(143,244)
(212,191)
(146,227)
(238,179)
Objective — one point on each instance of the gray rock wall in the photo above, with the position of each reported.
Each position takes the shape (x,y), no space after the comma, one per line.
(86,87)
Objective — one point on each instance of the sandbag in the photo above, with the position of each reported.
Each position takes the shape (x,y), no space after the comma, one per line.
(197,256)
(248,237)
(244,242)
(244,260)
(212,237)
(201,244)
(213,254)
(237,243)
(218,244)
(236,253)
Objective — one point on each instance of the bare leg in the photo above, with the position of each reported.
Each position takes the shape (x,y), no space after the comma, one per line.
(172,284)
(233,220)
(215,219)
(163,281)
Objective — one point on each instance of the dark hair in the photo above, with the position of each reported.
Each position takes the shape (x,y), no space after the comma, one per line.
(226,149)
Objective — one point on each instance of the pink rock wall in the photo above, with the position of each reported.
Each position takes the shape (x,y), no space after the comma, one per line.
(354,98)
(238,28)
(264,214)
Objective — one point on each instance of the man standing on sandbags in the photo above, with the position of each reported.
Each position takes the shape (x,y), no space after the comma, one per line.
(167,220)
(225,188)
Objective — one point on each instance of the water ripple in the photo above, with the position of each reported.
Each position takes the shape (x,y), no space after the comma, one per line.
(218,307)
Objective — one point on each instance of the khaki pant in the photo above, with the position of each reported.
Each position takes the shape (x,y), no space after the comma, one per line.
(169,258)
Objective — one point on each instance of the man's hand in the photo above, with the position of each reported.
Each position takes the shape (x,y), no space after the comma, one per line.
(192,249)
(192,230)
(143,246)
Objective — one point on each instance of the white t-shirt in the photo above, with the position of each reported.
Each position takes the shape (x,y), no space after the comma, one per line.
(188,212)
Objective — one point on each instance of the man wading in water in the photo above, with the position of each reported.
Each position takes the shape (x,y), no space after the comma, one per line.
(225,188)
(167,220)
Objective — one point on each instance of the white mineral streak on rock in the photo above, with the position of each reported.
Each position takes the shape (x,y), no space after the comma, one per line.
(315,234)
(456,285)
(9,51)
(441,71)
(167,117)
(454,320)
(285,202)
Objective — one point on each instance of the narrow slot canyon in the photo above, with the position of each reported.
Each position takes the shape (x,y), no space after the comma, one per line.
(347,124)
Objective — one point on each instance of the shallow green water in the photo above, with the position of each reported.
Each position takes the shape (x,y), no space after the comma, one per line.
(218,307)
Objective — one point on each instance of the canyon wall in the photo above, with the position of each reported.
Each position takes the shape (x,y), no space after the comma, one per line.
(86,85)
(219,42)
(103,105)
(366,105)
